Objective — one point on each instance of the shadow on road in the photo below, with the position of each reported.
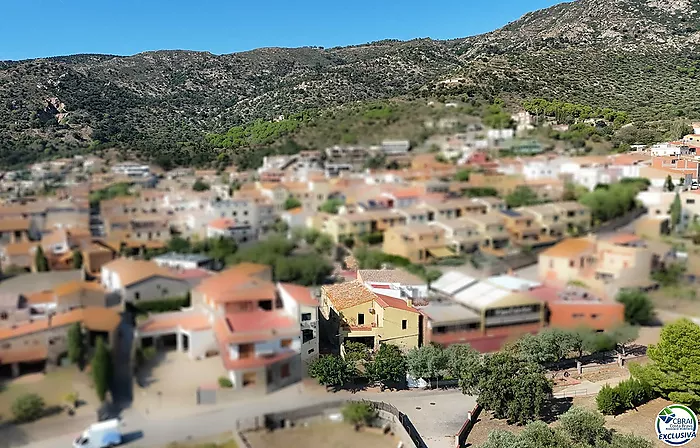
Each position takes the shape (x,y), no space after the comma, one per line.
(132,436)
(12,435)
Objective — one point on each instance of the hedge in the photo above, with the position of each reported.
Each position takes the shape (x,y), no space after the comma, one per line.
(161,305)
(625,396)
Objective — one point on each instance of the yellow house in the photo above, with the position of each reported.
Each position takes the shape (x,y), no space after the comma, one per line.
(355,313)
(417,242)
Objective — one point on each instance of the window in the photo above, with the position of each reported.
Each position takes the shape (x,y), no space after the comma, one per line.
(306,336)
(246,351)
(578,315)
(690,201)
(404,324)
(137,295)
(285,371)
(249,379)
(360,319)
(571,263)
(594,316)
(305,316)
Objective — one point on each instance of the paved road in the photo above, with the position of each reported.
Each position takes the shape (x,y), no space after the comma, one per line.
(436,414)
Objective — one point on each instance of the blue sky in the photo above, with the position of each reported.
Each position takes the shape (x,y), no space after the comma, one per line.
(39,28)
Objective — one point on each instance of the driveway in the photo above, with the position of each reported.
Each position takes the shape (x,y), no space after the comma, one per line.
(437,423)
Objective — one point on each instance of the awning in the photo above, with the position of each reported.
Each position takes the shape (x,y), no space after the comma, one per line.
(441,252)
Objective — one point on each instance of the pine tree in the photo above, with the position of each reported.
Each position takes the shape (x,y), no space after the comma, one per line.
(77,259)
(669,184)
(676,211)
(76,345)
(101,366)
(40,261)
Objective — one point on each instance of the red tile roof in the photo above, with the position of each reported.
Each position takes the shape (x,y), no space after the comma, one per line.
(252,362)
(243,282)
(175,321)
(624,238)
(391,302)
(222,223)
(300,294)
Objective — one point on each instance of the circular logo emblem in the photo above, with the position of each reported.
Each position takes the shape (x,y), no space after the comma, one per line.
(676,425)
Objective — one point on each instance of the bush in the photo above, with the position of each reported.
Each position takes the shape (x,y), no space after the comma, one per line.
(225,383)
(625,396)
(161,305)
(28,407)
(608,400)
(359,413)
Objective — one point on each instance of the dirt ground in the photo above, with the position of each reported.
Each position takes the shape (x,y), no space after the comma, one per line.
(322,435)
(220,441)
(162,386)
(679,299)
(52,387)
(639,422)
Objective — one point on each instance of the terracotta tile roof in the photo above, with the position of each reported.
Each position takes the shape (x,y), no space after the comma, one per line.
(41,297)
(301,294)
(252,362)
(134,271)
(76,286)
(243,282)
(405,193)
(391,302)
(295,211)
(222,223)
(255,326)
(21,248)
(389,276)
(624,238)
(348,294)
(8,225)
(187,321)
(570,247)
(93,318)
(33,354)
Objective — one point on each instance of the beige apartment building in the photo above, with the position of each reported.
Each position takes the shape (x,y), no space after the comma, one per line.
(417,242)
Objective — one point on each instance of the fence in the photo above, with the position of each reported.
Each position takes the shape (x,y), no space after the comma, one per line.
(279,419)
(463,433)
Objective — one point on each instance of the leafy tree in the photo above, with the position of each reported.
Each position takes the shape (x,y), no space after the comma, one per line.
(28,407)
(330,370)
(324,245)
(76,343)
(291,203)
(638,307)
(521,196)
(465,364)
(679,129)
(356,351)
(310,235)
(200,185)
(77,259)
(331,206)
(463,175)
(608,400)
(583,425)
(179,245)
(40,261)
(620,440)
(512,389)
(225,383)
(623,335)
(101,366)
(221,248)
(538,434)
(388,366)
(669,184)
(359,413)
(675,367)
(670,275)
(427,362)
(676,211)
(500,438)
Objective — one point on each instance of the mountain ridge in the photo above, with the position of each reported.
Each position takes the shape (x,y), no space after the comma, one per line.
(635,55)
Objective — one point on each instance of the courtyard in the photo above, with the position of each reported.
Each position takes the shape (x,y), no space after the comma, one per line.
(170,381)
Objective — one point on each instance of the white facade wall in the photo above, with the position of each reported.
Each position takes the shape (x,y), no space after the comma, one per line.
(200,342)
